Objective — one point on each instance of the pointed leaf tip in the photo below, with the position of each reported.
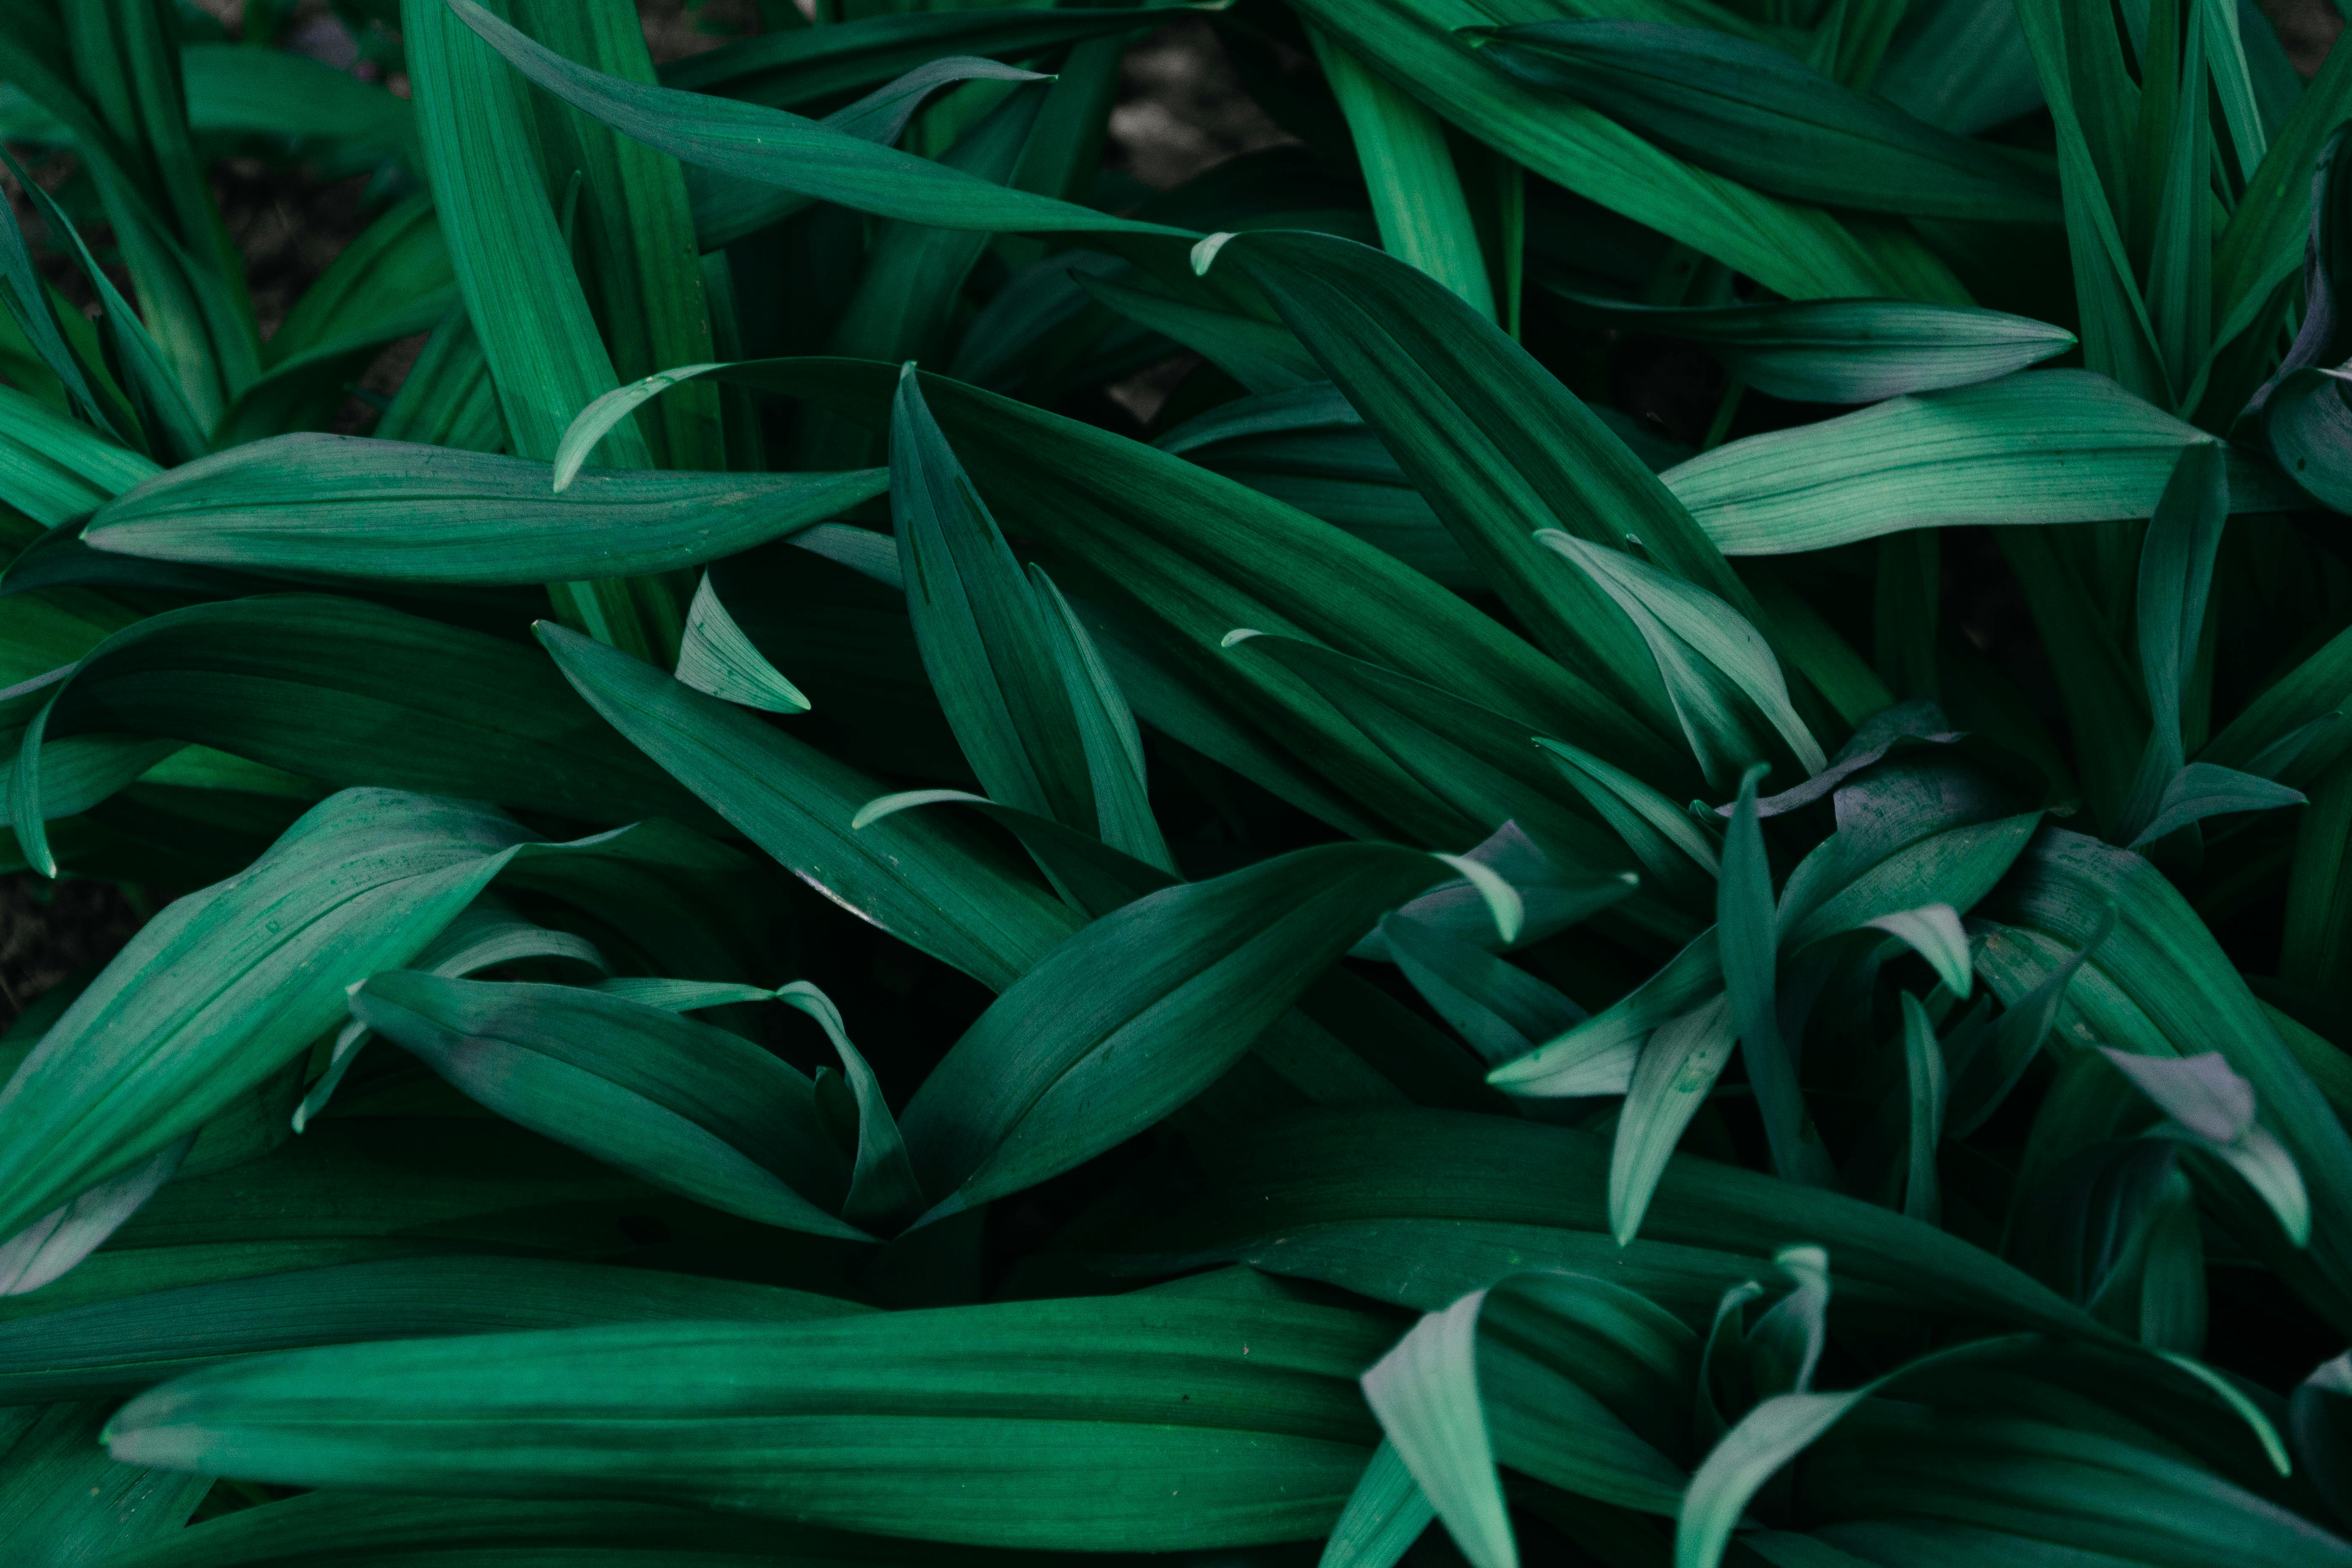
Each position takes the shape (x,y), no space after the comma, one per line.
(1205,253)
(1239,635)
(1503,901)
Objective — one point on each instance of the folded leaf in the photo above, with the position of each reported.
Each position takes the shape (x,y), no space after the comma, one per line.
(680,1104)
(361,883)
(2202,789)
(714,655)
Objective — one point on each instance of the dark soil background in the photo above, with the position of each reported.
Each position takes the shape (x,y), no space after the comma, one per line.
(1182,110)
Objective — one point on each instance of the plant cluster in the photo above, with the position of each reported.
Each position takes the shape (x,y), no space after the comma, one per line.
(1392,960)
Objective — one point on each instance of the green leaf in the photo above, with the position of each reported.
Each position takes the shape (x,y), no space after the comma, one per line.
(2078,57)
(1503,1010)
(1802,252)
(948,892)
(1933,931)
(795,66)
(2161,986)
(1065,1419)
(47,1249)
(1597,1056)
(982,628)
(2279,219)
(448,398)
(1746,937)
(2041,447)
(93,397)
(1661,838)
(406,1531)
(1385,1515)
(514,269)
(1749,111)
(1718,669)
(633,231)
(63,1502)
(171,426)
(1418,201)
(2201,790)
(912,285)
(1469,771)
(753,143)
(1923,1063)
(714,656)
(1842,351)
(2213,1108)
(2305,423)
(727,208)
(1182,557)
(360,884)
(487,933)
(1567,1371)
(1417,1207)
(118,1347)
(340,506)
(1177,984)
(393,280)
(348,692)
(1262,356)
(1982,1078)
(280,92)
(2176,572)
(1667,1082)
(1497,444)
(680,1104)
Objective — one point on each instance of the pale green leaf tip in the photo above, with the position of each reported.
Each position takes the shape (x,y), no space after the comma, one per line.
(1503,901)
(1239,635)
(906,371)
(874,810)
(1205,253)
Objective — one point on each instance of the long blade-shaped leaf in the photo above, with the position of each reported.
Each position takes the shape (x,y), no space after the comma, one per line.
(340,506)
(1177,986)
(1749,111)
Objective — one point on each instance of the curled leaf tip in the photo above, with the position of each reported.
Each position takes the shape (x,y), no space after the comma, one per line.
(1205,253)
(1239,634)
(1503,901)
(906,369)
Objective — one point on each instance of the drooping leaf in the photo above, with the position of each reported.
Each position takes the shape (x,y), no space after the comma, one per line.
(680,1104)
(360,884)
